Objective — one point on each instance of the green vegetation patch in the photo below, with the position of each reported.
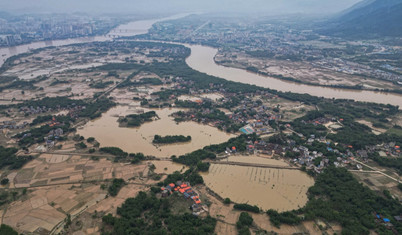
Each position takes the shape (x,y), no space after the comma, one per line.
(338,196)
(191,159)
(7,230)
(395,163)
(244,223)
(136,120)
(8,158)
(287,217)
(117,184)
(101,85)
(118,152)
(146,214)
(169,139)
(246,207)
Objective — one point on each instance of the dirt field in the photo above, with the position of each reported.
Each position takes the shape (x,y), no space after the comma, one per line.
(379,182)
(375,130)
(312,72)
(47,206)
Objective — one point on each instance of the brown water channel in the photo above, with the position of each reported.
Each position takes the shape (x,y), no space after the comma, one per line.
(202,59)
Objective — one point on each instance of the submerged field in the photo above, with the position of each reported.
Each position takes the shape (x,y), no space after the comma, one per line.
(268,188)
(107,131)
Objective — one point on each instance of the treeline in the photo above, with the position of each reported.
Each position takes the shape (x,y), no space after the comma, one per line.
(170,139)
(101,85)
(118,66)
(9,159)
(41,119)
(159,218)
(115,187)
(136,120)
(120,155)
(201,80)
(115,151)
(57,82)
(244,223)
(338,197)
(287,217)
(395,163)
(247,207)
(7,79)
(52,102)
(239,142)
(193,158)
(166,94)
(95,109)
(190,175)
(7,230)
(19,84)
(136,157)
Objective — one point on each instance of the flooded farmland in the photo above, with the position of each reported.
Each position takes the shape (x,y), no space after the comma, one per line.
(268,188)
(107,132)
(168,167)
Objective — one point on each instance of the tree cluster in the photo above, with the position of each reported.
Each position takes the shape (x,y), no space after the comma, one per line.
(146,214)
(135,120)
(170,139)
(244,223)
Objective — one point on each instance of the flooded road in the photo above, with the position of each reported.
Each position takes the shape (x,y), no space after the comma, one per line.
(107,132)
(278,189)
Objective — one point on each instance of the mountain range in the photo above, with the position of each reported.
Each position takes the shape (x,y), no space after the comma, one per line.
(367,19)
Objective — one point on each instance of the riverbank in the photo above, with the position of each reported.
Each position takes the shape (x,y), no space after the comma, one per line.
(290,79)
(202,60)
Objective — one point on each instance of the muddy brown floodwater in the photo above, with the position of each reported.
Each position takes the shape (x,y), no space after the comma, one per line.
(268,188)
(107,132)
(202,60)
(168,167)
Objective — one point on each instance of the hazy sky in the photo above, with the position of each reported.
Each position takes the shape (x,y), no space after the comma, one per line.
(160,6)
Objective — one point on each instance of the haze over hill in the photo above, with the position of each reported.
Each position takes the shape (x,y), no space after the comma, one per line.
(368,19)
(174,6)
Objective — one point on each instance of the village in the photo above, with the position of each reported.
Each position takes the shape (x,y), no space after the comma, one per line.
(188,193)
(281,51)
(246,145)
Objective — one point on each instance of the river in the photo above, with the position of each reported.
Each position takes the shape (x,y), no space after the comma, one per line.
(129,29)
(202,59)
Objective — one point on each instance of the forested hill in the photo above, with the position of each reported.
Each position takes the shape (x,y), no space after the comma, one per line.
(367,19)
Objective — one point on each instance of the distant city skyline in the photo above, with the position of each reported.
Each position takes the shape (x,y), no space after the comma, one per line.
(174,6)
